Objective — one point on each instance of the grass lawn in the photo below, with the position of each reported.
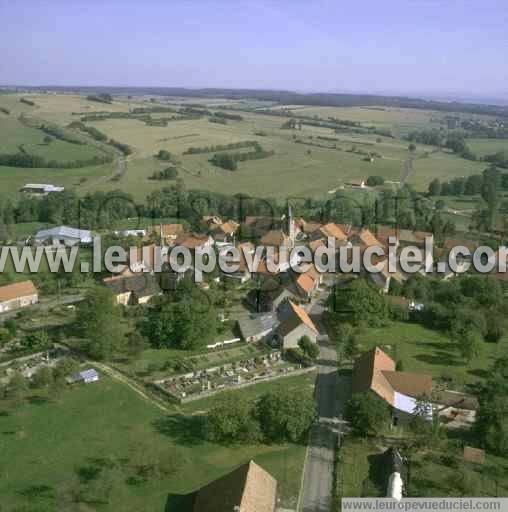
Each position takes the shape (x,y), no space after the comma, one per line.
(434,475)
(484,147)
(253,392)
(354,467)
(426,351)
(443,166)
(81,180)
(90,441)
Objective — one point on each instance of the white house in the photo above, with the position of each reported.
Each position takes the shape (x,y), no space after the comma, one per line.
(41,189)
(63,236)
(85,376)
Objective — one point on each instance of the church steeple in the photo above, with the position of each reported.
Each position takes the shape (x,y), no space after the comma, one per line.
(291,225)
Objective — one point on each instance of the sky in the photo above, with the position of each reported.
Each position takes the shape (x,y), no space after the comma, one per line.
(429,48)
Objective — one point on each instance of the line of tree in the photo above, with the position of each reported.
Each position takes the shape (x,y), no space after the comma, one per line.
(169,173)
(404,208)
(281,415)
(5,110)
(217,120)
(229,116)
(102,116)
(152,110)
(124,148)
(500,159)
(100,98)
(27,102)
(62,134)
(229,161)
(471,309)
(220,147)
(23,159)
(490,185)
(492,422)
(375,181)
(93,132)
(455,141)
(485,129)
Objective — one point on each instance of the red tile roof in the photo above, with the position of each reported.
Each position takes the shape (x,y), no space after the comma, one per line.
(249,487)
(334,231)
(375,371)
(17,291)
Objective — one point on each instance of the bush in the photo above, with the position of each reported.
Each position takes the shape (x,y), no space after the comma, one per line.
(124,148)
(310,349)
(170,173)
(232,420)
(164,155)
(367,413)
(286,414)
(374,181)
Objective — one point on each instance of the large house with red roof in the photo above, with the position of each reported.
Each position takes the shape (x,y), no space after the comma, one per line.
(295,326)
(375,371)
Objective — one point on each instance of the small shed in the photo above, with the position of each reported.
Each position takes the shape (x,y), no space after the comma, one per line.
(474,455)
(85,376)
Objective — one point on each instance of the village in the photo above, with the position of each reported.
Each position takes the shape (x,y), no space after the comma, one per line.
(272,326)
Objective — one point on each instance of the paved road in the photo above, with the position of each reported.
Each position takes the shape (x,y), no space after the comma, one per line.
(318,475)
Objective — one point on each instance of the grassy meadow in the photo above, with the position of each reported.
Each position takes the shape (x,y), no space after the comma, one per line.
(90,441)
(427,351)
(296,169)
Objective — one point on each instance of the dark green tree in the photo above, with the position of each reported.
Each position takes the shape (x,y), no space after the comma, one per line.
(101,324)
(232,421)
(286,414)
(368,414)
(310,349)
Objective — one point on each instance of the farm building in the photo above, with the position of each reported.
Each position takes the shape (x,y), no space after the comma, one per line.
(40,189)
(258,327)
(248,488)
(329,230)
(132,232)
(269,296)
(134,289)
(276,238)
(85,376)
(308,282)
(243,273)
(63,236)
(17,295)
(223,233)
(364,239)
(296,325)
(194,241)
(168,232)
(375,371)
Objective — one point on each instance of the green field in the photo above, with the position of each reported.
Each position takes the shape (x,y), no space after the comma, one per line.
(57,449)
(426,351)
(294,169)
(361,472)
(354,468)
(484,147)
